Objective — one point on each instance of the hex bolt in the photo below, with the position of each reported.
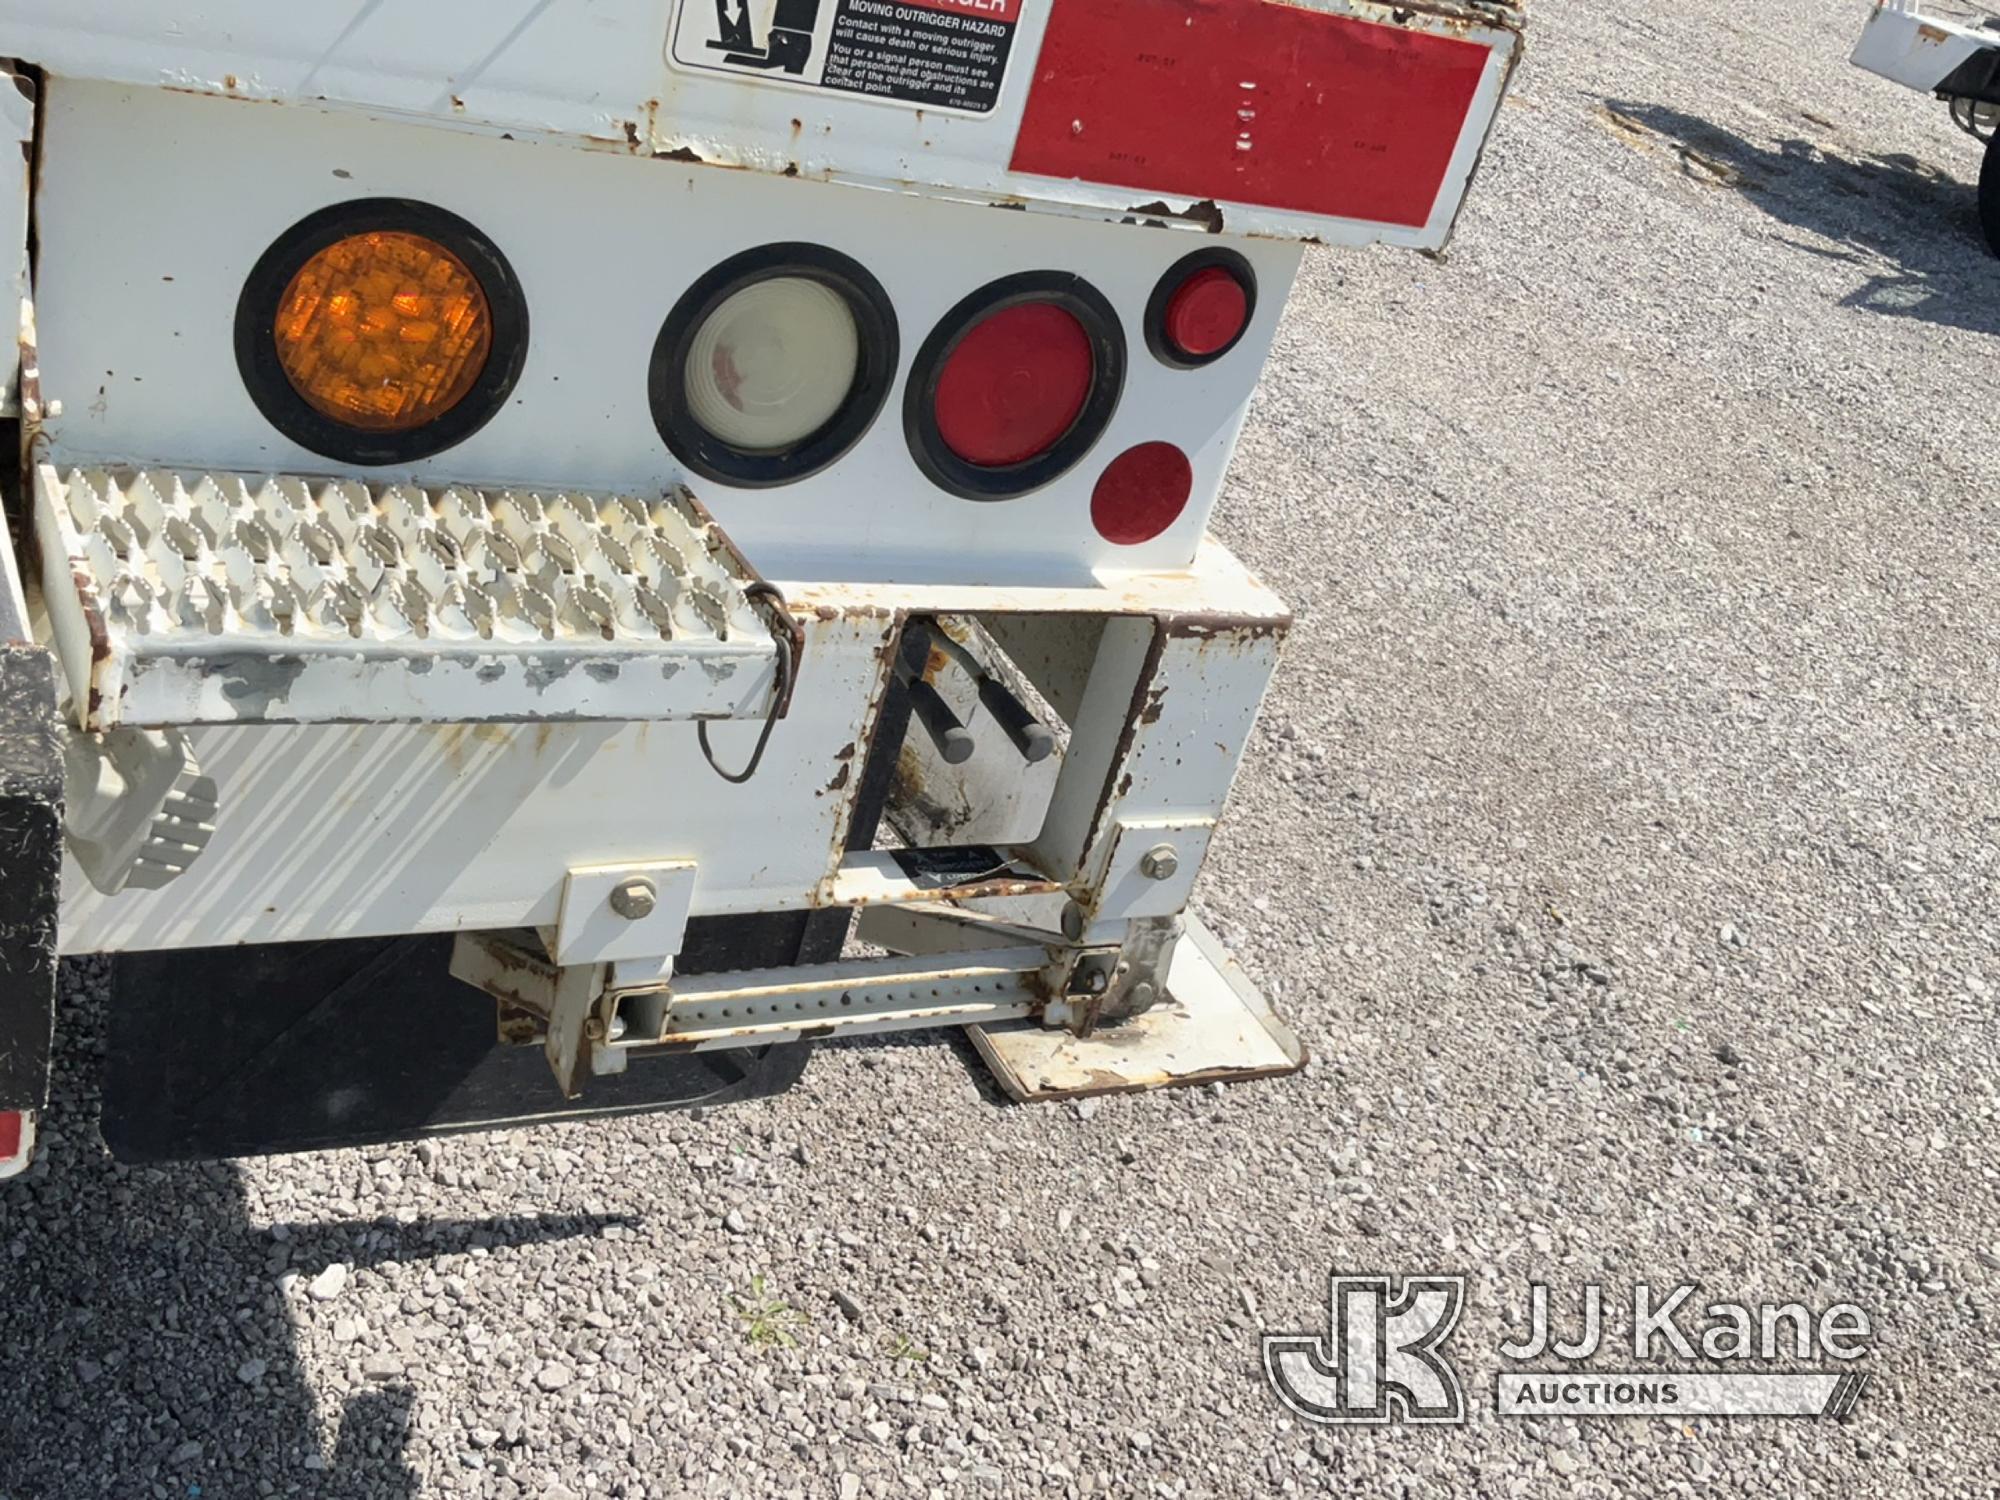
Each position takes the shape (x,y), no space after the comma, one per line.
(1139,999)
(1074,921)
(634,899)
(1160,862)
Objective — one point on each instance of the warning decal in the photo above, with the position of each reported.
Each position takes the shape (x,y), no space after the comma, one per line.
(925,54)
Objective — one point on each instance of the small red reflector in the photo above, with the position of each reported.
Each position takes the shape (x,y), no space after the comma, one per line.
(1014,385)
(1207,312)
(10,1136)
(1142,493)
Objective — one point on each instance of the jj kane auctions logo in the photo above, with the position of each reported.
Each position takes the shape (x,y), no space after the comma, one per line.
(1382,1356)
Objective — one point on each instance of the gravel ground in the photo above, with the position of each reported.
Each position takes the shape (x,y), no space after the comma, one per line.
(1621,835)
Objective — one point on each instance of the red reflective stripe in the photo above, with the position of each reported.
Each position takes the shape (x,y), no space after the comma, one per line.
(1014,385)
(1249,101)
(10,1135)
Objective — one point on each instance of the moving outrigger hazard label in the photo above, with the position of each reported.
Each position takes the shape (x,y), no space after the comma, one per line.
(925,54)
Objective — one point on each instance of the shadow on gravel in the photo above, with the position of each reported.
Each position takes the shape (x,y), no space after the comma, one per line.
(146,1347)
(1912,228)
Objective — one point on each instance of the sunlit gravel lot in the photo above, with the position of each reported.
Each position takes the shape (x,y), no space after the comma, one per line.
(1620,835)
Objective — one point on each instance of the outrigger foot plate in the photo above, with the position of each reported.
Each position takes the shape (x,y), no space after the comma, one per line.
(1213,1026)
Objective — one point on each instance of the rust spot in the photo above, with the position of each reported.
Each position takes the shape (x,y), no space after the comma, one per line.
(182,88)
(457,103)
(1155,705)
(842,776)
(229,82)
(631,129)
(1204,213)
(846,752)
(1199,625)
(791,169)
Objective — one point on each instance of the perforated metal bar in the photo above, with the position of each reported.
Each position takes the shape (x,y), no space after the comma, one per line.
(214,597)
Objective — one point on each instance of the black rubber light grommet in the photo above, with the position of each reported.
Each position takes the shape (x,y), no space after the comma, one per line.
(279,400)
(1164,348)
(970,481)
(709,455)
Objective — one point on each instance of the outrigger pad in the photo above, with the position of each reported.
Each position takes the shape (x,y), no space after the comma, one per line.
(1213,1026)
(217,1052)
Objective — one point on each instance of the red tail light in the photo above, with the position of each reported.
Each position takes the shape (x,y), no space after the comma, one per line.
(1201,308)
(1014,385)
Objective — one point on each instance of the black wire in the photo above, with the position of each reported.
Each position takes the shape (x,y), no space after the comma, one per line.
(781,691)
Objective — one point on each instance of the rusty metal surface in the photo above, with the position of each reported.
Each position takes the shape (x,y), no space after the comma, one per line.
(1214,592)
(873,878)
(1213,1027)
(812,1001)
(17,129)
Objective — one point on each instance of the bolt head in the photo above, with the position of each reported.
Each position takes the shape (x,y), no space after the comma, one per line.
(634,899)
(1161,862)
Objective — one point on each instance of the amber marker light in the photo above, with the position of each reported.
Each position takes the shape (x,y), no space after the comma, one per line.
(380,331)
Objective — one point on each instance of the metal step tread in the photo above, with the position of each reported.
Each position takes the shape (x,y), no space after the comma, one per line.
(190,598)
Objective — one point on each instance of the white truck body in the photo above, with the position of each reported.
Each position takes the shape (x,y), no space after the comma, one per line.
(317,694)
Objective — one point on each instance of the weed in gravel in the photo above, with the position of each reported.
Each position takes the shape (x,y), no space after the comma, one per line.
(767,1320)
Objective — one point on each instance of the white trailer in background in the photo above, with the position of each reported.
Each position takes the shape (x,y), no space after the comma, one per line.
(1953,53)
(572,501)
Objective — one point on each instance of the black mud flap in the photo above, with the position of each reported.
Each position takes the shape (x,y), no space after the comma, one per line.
(30,870)
(216,1052)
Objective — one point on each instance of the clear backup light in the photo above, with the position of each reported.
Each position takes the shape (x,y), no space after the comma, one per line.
(772,364)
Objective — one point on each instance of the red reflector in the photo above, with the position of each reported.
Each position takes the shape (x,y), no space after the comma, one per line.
(10,1135)
(1207,312)
(1014,385)
(1142,493)
(1291,106)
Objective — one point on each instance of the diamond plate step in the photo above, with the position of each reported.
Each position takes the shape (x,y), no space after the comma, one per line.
(202,598)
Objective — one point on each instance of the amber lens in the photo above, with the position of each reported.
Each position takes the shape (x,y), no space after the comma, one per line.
(383,331)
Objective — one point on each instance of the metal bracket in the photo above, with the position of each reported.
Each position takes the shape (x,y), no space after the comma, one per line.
(515,969)
(613,913)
